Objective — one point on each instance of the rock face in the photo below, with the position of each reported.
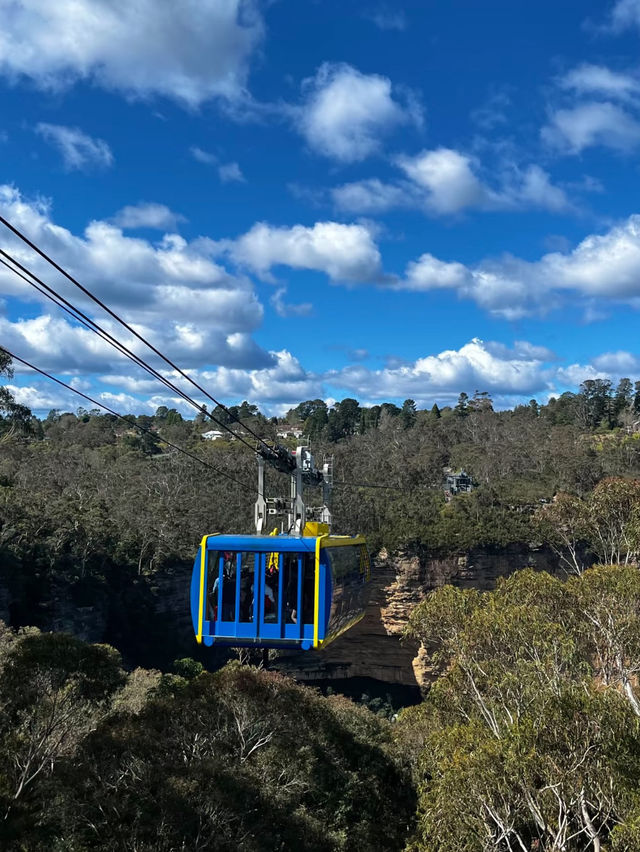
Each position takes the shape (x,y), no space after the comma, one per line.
(148,619)
(374,648)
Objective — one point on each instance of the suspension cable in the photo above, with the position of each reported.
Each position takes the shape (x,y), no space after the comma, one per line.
(126,325)
(75,312)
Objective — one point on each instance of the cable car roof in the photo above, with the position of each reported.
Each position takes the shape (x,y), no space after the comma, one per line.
(282,542)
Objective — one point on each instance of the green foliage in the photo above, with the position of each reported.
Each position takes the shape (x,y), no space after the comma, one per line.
(5,364)
(530,736)
(606,521)
(54,689)
(187,668)
(95,669)
(240,759)
(408,413)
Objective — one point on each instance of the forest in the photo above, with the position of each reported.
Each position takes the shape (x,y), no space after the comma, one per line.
(528,737)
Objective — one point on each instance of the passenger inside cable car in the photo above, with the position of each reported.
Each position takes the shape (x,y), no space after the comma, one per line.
(283,591)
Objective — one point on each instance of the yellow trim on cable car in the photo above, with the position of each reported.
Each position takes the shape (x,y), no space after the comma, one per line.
(341,540)
(203,556)
(316,596)
(202,602)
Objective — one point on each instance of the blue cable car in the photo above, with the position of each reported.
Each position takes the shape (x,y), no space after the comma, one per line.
(279,591)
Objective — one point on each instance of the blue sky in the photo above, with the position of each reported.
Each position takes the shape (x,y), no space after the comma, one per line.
(297,199)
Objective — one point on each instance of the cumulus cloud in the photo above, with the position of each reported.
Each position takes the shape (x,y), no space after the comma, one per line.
(590,124)
(603,267)
(42,397)
(490,367)
(511,374)
(447,177)
(617,363)
(171,290)
(429,273)
(346,114)
(445,182)
(285,382)
(533,188)
(345,253)
(147,215)
(78,150)
(168,278)
(189,51)
(594,106)
(54,344)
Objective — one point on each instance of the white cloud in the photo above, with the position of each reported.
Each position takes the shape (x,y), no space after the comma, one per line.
(43,397)
(170,290)
(147,215)
(201,156)
(476,365)
(189,51)
(347,114)
(533,188)
(345,253)
(589,79)
(625,14)
(371,196)
(603,267)
(511,375)
(230,172)
(447,177)
(618,363)
(524,349)
(429,273)
(444,182)
(286,382)
(573,375)
(54,344)
(78,150)
(591,124)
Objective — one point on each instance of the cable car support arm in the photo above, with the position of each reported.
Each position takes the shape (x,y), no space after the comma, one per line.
(301,468)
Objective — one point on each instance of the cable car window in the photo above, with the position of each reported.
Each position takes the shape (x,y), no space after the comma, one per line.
(228,573)
(271,582)
(290,579)
(349,571)
(247,585)
(213,560)
(345,562)
(308,587)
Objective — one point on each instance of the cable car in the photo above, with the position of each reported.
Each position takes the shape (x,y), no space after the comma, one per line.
(281,591)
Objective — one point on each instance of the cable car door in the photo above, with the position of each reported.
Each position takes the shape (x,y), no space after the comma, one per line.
(270,588)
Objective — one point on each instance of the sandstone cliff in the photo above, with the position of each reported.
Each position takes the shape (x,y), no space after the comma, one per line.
(148,619)
(374,648)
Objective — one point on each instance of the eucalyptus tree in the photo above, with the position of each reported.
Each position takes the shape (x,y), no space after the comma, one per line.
(522,742)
